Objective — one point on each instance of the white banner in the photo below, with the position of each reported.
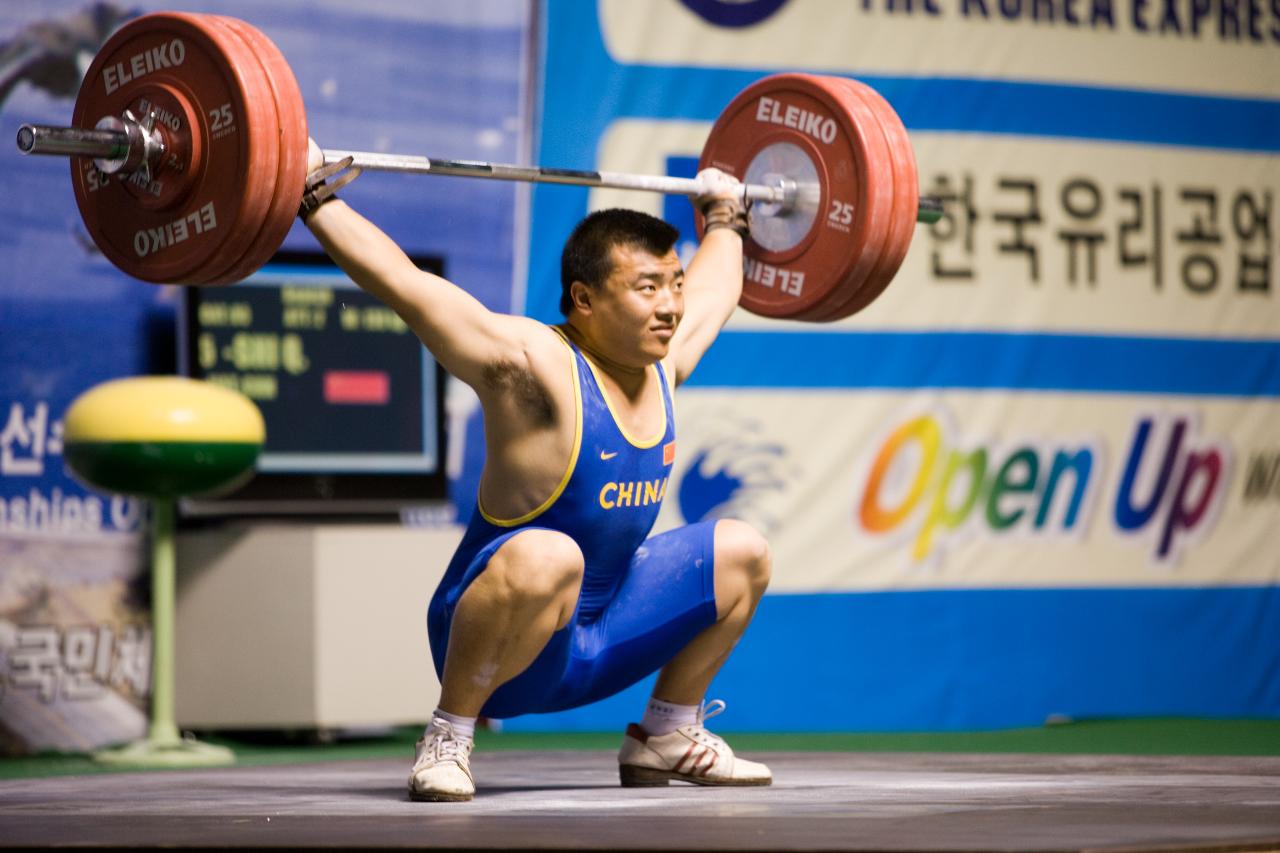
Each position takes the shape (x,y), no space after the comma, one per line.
(860,491)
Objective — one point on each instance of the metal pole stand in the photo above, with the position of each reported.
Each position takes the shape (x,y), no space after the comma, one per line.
(163,745)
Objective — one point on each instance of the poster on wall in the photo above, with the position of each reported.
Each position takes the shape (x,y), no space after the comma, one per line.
(74,634)
(75,637)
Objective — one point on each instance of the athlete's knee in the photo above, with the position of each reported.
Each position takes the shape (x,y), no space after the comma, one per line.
(538,566)
(743,549)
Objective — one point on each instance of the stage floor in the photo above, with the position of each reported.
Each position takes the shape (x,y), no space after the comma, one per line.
(571,800)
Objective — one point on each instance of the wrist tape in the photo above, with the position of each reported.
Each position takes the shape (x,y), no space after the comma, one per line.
(726,213)
(318,190)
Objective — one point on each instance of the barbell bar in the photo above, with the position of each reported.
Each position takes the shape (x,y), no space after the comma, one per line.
(113,149)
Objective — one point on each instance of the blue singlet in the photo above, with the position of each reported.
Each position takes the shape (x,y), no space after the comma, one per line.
(642,599)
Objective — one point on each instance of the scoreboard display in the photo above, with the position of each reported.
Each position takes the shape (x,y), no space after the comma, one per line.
(351,398)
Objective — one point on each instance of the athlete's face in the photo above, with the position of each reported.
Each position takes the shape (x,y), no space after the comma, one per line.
(637,310)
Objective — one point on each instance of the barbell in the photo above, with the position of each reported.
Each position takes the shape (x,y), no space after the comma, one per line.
(189,151)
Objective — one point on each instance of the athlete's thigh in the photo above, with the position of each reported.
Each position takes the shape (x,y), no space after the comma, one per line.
(527,691)
(467,564)
(667,599)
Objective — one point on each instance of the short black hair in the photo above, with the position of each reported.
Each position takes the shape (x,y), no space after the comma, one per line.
(588,253)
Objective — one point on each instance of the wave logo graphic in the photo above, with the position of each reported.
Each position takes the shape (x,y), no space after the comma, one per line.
(931,490)
(734,475)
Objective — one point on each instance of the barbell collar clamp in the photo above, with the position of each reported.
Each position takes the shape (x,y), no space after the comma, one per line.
(930,211)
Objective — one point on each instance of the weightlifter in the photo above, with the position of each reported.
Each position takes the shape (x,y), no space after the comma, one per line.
(558,596)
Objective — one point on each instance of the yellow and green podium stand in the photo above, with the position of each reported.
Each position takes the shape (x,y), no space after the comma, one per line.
(161,438)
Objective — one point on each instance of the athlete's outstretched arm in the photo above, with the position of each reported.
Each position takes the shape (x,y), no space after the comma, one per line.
(713,281)
(463,335)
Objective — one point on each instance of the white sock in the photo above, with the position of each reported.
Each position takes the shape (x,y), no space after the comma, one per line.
(463,727)
(662,718)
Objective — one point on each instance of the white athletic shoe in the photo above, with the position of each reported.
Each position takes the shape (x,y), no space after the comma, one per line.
(689,754)
(442,769)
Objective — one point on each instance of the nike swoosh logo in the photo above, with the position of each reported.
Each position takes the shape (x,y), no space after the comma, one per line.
(607,456)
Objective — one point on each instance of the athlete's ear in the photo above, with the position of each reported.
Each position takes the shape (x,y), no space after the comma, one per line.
(580,294)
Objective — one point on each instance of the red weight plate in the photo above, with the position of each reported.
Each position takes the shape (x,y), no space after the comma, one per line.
(879,199)
(898,177)
(817,117)
(292,135)
(905,207)
(883,176)
(263,147)
(262,131)
(194,215)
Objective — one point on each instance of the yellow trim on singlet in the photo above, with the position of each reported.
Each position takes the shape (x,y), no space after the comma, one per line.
(573,455)
(669,373)
(639,444)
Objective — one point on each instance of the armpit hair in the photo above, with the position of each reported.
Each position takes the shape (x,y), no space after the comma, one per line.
(524,389)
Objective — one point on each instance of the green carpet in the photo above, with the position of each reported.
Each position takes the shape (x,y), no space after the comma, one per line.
(1115,737)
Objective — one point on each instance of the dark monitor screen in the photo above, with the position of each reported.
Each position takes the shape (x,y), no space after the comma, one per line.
(353,403)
